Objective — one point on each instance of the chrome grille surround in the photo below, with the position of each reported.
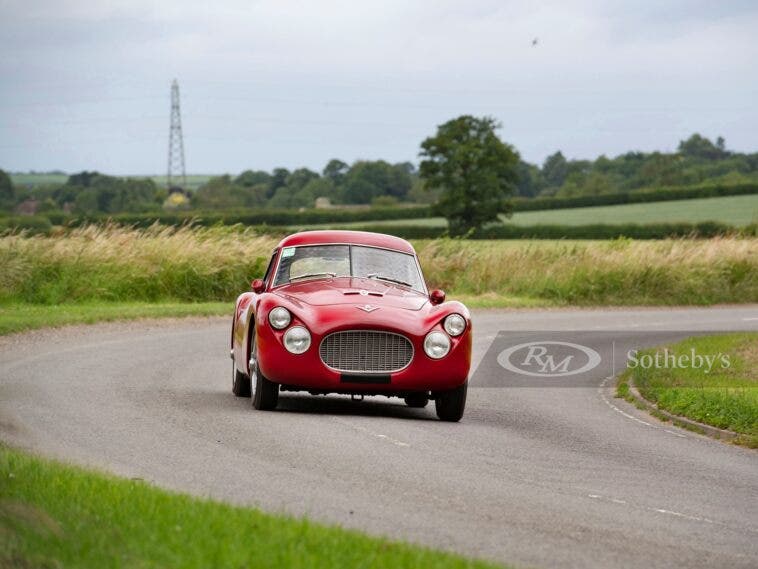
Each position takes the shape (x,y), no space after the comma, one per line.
(366,351)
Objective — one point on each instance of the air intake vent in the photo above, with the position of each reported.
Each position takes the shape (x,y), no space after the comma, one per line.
(366,351)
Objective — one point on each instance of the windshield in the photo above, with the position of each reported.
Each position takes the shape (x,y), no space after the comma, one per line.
(324,261)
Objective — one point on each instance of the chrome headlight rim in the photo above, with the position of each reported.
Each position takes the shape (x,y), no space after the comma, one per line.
(279,318)
(438,339)
(297,345)
(454,324)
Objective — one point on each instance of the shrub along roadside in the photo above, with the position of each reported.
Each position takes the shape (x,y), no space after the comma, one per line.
(724,396)
(53,515)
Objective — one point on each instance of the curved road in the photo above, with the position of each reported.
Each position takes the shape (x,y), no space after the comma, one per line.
(545,476)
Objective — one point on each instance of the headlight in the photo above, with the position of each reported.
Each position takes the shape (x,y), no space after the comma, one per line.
(455,324)
(436,345)
(297,339)
(279,317)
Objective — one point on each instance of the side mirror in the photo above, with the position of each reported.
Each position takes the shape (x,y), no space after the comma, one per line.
(258,286)
(437,296)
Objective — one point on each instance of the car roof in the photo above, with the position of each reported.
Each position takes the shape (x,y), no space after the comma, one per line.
(344,236)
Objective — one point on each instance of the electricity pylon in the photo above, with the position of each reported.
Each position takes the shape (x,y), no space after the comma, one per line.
(176,172)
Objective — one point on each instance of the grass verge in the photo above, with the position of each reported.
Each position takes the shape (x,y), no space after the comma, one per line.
(724,395)
(20,317)
(52,515)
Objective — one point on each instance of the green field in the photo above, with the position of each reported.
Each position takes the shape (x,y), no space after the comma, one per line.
(724,395)
(194,181)
(53,515)
(733,210)
(30,180)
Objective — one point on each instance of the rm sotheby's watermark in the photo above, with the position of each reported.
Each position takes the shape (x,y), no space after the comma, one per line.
(667,360)
(582,358)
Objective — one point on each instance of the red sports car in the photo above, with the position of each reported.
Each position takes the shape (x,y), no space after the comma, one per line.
(348,312)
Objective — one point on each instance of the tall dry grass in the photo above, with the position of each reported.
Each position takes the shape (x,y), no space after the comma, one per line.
(115,263)
(675,271)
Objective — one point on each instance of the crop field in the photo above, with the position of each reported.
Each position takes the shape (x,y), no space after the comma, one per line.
(116,264)
(734,210)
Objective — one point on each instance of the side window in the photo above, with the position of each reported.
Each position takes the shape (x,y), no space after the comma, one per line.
(270,268)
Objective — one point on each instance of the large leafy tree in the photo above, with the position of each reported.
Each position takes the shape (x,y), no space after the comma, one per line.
(475,170)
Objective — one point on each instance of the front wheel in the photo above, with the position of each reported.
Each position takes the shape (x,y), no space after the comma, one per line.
(265,393)
(417,400)
(451,404)
(240,382)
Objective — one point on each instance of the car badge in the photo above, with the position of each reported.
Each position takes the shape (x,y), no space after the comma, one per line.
(368,308)
(363,292)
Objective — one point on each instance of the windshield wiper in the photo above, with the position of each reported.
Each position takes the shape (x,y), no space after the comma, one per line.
(383,278)
(311,275)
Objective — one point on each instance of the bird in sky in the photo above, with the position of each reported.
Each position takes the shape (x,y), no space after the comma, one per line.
(535,41)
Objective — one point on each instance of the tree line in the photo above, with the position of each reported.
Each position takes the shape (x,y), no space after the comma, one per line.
(444,177)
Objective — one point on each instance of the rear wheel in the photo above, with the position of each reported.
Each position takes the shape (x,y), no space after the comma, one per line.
(451,404)
(417,400)
(265,393)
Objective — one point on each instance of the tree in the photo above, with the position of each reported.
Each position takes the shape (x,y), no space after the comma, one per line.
(278,179)
(702,148)
(335,171)
(474,168)
(367,180)
(250,178)
(7,193)
(555,169)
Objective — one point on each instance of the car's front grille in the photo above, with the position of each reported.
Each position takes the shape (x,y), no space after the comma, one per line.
(366,351)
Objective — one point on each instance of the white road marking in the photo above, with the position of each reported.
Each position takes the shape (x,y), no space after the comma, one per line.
(749,319)
(657,510)
(600,389)
(370,432)
(681,515)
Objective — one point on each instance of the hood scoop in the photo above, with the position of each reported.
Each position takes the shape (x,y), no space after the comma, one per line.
(362,293)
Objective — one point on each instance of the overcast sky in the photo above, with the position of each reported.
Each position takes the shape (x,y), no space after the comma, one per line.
(85,84)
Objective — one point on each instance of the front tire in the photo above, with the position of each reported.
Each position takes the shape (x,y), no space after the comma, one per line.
(417,400)
(451,404)
(240,382)
(265,393)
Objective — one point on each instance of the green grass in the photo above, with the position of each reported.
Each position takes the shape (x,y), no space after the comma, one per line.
(733,210)
(23,180)
(725,396)
(20,317)
(194,181)
(52,515)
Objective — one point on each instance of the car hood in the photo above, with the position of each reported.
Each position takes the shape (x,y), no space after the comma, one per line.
(353,290)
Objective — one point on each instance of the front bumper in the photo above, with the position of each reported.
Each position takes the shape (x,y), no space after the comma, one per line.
(307,371)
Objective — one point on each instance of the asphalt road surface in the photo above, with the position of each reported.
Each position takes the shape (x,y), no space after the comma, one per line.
(546,476)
